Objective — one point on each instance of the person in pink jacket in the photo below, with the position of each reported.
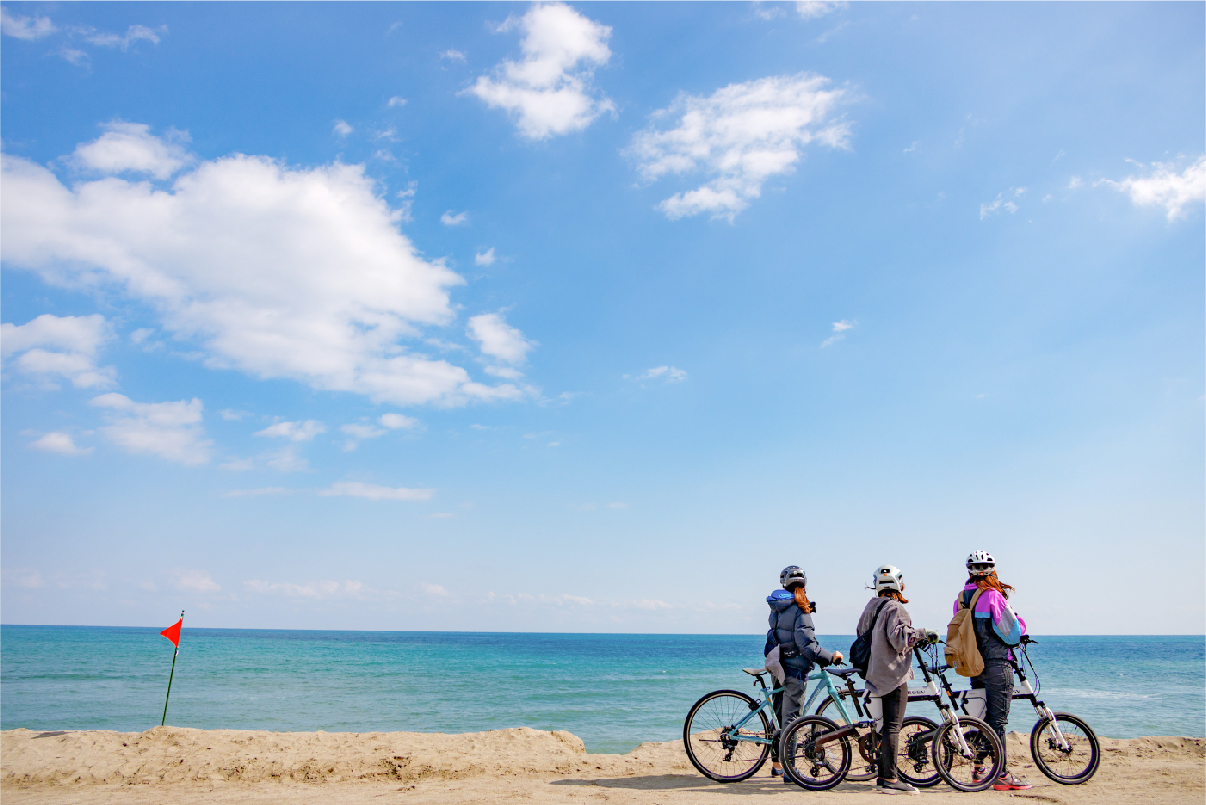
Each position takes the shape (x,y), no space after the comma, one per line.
(998,630)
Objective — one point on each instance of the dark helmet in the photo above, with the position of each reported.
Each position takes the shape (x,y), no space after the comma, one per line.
(791,576)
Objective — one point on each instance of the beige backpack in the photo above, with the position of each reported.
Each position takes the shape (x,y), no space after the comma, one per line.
(961,649)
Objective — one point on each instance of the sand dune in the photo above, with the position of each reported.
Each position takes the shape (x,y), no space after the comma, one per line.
(170,764)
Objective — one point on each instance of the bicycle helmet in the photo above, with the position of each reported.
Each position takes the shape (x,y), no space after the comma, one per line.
(792,575)
(981,563)
(888,577)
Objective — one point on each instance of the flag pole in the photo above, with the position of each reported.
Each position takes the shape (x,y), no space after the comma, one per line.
(170,678)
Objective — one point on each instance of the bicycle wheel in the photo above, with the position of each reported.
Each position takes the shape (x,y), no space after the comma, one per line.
(863,766)
(914,763)
(717,746)
(1072,765)
(974,769)
(812,758)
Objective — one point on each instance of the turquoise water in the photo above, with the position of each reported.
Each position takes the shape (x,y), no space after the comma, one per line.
(613,691)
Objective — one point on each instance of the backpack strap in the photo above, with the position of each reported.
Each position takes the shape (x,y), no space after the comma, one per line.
(875,617)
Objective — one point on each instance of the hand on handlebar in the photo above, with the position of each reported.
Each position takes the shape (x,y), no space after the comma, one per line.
(931,637)
(837,658)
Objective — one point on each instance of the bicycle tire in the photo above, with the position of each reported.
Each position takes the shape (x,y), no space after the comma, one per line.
(1073,767)
(809,766)
(720,757)
(958,771)
(862,767)
(914,759)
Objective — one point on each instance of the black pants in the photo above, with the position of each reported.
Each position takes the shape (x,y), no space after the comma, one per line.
(997,682)
(889,737)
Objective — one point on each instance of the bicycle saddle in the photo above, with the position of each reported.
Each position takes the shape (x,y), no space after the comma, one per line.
(842,672)
(755,671)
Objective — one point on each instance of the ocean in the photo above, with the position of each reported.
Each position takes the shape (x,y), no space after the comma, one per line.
(614,691)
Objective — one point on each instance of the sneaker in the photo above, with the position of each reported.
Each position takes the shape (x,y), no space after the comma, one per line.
(776,772)
(979,771)
(894,787)
(1010,782)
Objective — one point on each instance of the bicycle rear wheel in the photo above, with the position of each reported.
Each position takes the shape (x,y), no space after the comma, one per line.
(978,767)
(1072,765)
(914,761)
(717,746)
(812,758)
(864,765)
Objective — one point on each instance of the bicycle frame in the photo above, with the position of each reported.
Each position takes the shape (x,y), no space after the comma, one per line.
(767,703)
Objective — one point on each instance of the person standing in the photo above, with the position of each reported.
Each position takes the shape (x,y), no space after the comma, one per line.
(890,668)
(792,630)
(998,631)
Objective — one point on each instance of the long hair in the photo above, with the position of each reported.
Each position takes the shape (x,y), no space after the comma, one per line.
(893,594)
(989,581)
(801,598)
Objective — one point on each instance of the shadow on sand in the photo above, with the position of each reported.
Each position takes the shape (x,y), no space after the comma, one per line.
(687,782)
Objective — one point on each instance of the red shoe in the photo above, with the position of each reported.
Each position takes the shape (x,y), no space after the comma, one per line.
(1008,782)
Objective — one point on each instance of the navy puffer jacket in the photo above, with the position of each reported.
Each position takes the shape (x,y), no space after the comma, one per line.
(793,626)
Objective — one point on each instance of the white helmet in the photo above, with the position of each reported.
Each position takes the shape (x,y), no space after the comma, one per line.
(888,577)
(980,563)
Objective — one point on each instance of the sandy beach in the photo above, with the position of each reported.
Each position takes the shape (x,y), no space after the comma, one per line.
(169,764)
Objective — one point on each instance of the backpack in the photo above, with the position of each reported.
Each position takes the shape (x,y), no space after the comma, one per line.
(962,652)
(860,649)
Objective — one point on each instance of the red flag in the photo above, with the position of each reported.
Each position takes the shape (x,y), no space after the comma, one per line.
(173,632)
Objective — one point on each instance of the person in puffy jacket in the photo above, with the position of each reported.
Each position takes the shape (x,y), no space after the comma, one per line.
(890,668)
(998,630)
(791,629)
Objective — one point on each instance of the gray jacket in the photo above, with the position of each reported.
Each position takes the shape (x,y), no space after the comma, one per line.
(891,645)
(793,625)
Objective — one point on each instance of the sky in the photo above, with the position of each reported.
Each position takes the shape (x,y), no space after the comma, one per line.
(592,317)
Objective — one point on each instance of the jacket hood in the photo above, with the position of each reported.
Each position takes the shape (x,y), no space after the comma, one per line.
(780,600)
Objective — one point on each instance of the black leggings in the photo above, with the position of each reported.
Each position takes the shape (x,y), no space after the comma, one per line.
(889,737)
(997,682)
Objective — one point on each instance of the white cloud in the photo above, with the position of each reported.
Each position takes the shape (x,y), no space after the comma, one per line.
(669,373)
(499,339)
(133,34)
(397,100)
(433,589)
(395,421)
(508,372)
(286,460)
(1002,202)
(485,258)
(342,128)
(550,91)
(196,580)
(170,430)
(1164,187)
(60,443)
(63,346)
(812,9)
(231,415)
(132,147)
(453,55)
(141,334)
(740,136)
(273,271)
(294,431)
(73,56)
(314,589)
(359,433)
(617,505)
(25,27)
(839,332)
(407,200)
(373,492)
(448,219)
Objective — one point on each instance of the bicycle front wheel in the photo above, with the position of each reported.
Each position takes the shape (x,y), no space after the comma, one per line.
(725,738)
(914,763)
(967,754)
(812,756)
(863,767)
(1072,761)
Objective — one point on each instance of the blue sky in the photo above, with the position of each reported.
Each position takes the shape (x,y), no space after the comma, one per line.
(593,317)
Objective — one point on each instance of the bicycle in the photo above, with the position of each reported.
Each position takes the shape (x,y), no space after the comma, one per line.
(1064,746)
(962,745)
(727,733)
